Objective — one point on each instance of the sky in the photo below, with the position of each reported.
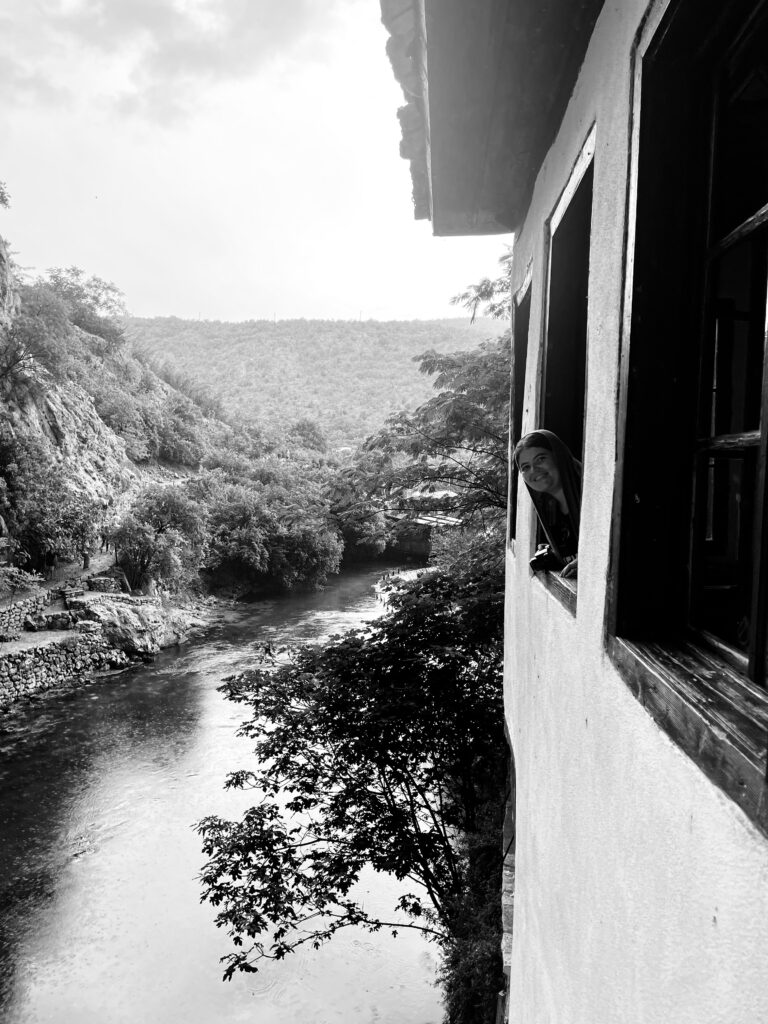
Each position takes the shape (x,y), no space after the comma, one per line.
(220,159)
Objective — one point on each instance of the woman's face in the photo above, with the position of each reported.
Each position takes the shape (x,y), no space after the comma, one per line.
(539,470)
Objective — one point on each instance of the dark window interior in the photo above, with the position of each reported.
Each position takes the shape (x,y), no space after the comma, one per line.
(565,359)
(692,552)
(521,322)
(655,510)
(741,171)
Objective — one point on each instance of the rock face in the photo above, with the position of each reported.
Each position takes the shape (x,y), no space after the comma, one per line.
(140,627)
(91,455)
(8,296)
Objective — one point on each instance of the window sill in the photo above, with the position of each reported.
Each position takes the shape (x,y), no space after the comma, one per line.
(564,590)
(711,712)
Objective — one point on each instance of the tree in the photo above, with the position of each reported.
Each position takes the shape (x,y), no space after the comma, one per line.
(167,507)
(13,579)
(450,454)
(383,748)
(237,530)
(182,431)
(144,555)
(38,333)
(494,295)
(44,513)
(162,537)
(80,517)
(306,553)
(93,304)
(307,433)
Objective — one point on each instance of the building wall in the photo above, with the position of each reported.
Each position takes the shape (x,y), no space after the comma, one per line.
(641,889)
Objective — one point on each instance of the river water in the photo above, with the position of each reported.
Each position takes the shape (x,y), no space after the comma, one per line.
(100,920)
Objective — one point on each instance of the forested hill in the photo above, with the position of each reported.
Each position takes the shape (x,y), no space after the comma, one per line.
(347,376)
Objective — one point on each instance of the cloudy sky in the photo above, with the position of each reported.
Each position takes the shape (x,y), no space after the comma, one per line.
(223,159)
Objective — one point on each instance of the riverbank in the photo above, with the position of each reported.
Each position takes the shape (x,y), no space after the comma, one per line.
(81,626)
(100,896)
(97,633)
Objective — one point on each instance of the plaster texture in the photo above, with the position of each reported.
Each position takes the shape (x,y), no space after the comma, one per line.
(641,889)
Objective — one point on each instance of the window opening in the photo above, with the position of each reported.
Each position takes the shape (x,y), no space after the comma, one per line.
(565,359)
(693,532)
(726,579)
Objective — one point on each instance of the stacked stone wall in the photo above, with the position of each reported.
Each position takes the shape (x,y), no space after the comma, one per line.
(60,664)
(132,599)
(103,584)
(13,615)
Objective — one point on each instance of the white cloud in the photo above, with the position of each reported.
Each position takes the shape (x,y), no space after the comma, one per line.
(171,50)
(279,192)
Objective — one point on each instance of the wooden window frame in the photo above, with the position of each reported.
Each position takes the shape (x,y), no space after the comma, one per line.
(517,394)
(565,591)
(584,163)
(691,685)
(710,442)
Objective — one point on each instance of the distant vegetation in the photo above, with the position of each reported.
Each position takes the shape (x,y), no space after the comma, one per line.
(347,376)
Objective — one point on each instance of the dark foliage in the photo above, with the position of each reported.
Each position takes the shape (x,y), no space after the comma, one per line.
(379,749)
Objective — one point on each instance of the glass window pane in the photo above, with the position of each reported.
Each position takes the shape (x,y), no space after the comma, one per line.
(725,577)
(737,363)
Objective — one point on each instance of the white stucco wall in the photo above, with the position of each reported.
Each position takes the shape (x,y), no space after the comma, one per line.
(641,890)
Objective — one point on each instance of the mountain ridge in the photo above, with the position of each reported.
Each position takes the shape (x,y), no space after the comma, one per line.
(346,375)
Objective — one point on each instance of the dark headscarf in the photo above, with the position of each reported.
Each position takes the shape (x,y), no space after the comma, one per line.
(569,468)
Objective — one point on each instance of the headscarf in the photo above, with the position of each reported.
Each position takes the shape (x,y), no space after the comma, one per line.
(569,468)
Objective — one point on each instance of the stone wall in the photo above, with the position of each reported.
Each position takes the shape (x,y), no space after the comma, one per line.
(12,617)
(103,584)
(64,663)
(110,631)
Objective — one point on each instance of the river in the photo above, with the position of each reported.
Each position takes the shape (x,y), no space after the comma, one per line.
(100,920)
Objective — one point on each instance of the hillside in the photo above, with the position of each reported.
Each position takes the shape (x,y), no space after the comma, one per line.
(95,446)
(347,376)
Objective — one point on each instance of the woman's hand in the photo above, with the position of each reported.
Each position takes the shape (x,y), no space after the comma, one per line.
(570,571)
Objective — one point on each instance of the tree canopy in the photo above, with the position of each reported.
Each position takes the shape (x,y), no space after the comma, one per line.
(450,454)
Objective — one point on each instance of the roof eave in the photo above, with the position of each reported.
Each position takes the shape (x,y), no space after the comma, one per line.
(486,84)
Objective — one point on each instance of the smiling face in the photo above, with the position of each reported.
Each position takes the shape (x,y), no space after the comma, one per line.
(539,470)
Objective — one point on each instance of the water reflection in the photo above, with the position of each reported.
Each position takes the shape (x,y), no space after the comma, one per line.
(99,902)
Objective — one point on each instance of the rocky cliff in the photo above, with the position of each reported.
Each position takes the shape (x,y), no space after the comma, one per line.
(8,298)
(92,457)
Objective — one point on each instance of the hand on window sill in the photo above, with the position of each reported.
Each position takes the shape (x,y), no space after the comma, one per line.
(570,571)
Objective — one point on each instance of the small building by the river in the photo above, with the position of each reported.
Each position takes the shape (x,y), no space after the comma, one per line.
(625,144)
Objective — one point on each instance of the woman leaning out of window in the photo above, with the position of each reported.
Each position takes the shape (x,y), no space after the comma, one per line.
(553,479)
